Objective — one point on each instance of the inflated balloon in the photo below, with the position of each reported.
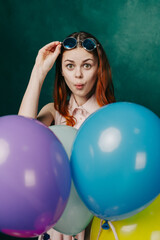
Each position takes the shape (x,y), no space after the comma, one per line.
(66,135)
(143,225)
(115,160)
(76,216)
(35,177)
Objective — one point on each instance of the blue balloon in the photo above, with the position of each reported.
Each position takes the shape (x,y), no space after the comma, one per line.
(115,160)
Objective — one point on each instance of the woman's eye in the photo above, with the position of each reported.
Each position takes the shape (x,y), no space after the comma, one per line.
(70,66)
(87,66)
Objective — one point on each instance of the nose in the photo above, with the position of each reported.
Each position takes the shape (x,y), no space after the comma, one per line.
(78,72)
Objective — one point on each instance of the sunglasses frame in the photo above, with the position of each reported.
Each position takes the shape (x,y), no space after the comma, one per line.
(76,42)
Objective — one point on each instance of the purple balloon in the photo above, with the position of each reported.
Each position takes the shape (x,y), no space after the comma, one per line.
(35,177)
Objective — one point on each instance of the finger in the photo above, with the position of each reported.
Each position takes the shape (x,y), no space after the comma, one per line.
(55,53)
(57,235)
(80,236)
(51,45)
(52,48)
(57,47)
(67,237)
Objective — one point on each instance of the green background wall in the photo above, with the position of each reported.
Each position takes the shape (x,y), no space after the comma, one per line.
(129,30)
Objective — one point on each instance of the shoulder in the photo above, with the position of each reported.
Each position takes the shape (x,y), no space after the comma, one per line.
(49,107)
(47,114)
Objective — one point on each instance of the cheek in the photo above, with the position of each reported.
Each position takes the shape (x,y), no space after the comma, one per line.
(66,76)
(92,77)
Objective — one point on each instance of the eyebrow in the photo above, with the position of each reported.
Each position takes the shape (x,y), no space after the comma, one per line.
(69,60)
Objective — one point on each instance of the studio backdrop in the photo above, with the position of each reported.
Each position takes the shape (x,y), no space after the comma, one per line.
(129,30)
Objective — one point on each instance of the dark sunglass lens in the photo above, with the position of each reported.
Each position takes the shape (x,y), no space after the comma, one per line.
(89,44)
(69,43)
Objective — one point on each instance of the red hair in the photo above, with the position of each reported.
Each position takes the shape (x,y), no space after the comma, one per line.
(103,89)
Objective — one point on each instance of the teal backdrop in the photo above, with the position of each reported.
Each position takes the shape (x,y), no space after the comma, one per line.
(129,30)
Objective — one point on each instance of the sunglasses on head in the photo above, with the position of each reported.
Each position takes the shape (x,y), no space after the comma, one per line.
(88,44)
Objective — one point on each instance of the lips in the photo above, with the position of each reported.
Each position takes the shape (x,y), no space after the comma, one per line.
(79,86)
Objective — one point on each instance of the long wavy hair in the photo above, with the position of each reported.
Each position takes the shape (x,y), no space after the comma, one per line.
(103,88)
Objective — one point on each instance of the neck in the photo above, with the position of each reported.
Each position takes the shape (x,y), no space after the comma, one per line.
(80,100)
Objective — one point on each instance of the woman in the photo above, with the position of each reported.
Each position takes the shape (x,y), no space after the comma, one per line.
(83,84)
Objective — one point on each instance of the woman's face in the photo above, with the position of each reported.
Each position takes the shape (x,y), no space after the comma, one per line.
(79,69)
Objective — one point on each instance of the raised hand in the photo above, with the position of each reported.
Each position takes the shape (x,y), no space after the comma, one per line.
(44,62)
(47,56)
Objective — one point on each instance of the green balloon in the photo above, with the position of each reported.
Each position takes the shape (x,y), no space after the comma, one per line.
(76,215)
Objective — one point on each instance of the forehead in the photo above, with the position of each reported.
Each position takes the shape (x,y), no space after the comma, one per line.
(77,54)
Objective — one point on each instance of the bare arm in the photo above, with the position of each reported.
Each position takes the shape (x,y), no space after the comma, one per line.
(44,62)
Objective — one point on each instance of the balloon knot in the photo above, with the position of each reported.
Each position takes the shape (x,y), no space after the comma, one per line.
(105,225)
(46,236)
(74,236)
